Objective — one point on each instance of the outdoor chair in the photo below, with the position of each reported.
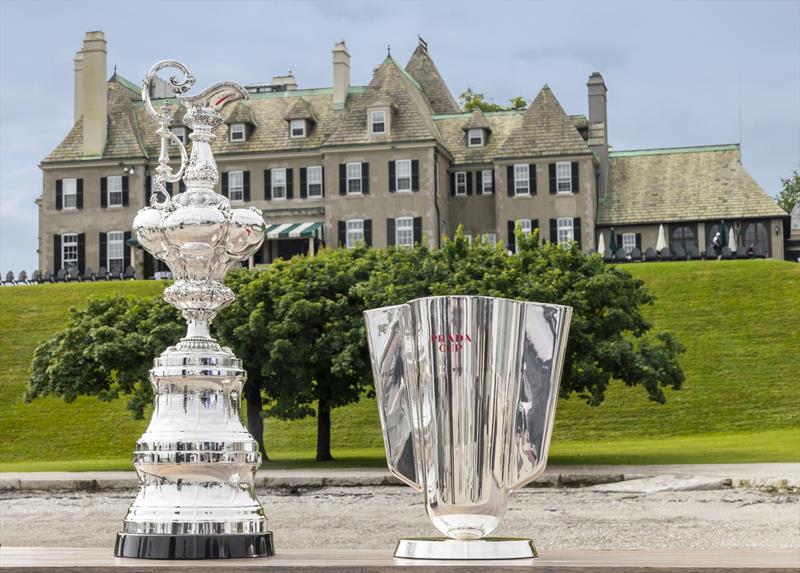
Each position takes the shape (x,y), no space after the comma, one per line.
(23,278)
(130,273)
(9,278)
(61,276)
(88,274)
(680,253)
(50,277)
(36,277)
(621,255)
(636,255)
(665,254)
(102,274)
(693,253)
(650,254)
(726,252)
(608,256)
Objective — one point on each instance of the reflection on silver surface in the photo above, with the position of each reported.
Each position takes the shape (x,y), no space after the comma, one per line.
(467,389)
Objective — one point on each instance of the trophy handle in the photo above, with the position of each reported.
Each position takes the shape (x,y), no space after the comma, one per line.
(392,350)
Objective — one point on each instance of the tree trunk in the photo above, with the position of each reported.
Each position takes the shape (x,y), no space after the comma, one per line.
(255,423)
(324,432)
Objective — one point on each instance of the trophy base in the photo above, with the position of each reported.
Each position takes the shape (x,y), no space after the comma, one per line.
(162,546)
(445,548)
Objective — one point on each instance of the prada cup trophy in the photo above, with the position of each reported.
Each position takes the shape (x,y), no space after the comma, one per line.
(467,389)
(196,461)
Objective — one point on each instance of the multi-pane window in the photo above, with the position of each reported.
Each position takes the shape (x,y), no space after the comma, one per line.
(486,182)
(69,189)
(116,252)
(377,121)
(475,138)
(461,183)
(314,181)
(489,238)
(278,181)
(355,232)
(404,231)
(69,251)
(565,232)
(354,179)
(525,225)
(628,241)
(236,185)
(238,132)
(522,185)
(564,177)
(403,175)
(115,191)
(180,133)
(297,128)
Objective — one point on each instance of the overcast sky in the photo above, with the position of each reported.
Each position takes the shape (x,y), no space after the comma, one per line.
(678,73)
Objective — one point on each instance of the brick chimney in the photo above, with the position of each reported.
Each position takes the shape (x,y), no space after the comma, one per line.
(78,85)
(598,127)
(341,74)
(95,111)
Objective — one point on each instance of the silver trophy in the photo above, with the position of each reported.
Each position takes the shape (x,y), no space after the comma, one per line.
(467,389)
(196,461)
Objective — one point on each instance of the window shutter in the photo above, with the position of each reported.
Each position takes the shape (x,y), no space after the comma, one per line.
(417,230)
(103,251)
(246,185)
(303,183)
(125,192)
(575,180)
(576,230)
(365,180)
(289,183)
(390,233)
(81,252)
(639,241)
(148,187)
(493,190)
(323,181)
(368,232)
(469,183)
(342,233)
(392,175)
(553,186)
(104,192)
(415,175)
(267,184)
(225,183)
(171,186)
(535,226)
(512,238)
(79,193)
(126,249)
(181,186)
(510,180)
(532,178)
(343,179)
(452,184)
(56,253)
(59,195)
(554,231)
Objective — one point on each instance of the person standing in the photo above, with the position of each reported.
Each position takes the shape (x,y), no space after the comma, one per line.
(716,244)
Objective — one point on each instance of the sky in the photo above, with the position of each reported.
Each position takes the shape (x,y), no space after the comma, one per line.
(678,73)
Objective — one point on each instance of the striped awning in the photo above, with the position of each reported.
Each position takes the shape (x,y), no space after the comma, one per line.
(295,230)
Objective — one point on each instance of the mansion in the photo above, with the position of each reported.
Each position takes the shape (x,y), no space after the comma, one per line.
(395,162)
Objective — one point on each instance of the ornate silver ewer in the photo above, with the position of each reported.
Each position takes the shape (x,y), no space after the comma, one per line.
(196,461)
(467,389)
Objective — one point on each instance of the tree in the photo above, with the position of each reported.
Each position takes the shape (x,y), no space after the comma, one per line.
(471,100)
(790,194)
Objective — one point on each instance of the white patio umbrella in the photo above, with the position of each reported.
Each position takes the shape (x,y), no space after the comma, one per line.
(661,242)
(732,241)
(601,244)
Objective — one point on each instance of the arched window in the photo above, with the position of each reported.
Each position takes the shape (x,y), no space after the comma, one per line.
(756,233)
(684,236)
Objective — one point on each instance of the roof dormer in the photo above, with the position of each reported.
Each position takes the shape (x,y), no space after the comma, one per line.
(380,113)
(477,129)
(240,123)
(301,119)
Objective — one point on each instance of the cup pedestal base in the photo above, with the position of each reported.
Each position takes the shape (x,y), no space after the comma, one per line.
(162,546)
(445,548)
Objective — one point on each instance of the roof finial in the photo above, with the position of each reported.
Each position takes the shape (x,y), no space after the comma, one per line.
(422,43)
(388,50)
(115,69)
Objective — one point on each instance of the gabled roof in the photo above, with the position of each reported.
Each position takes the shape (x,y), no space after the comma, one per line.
(240,112)
(452,126)
(477,121)
(300,110)
(681,184)
(545,130)
(422,69)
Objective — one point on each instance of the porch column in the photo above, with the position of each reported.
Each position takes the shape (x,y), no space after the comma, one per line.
(701,237)
(250,263)
(311,246)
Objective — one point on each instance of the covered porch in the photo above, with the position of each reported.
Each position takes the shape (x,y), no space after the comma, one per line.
(285,240)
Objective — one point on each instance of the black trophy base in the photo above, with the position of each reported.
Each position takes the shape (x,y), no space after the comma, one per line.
(229,546)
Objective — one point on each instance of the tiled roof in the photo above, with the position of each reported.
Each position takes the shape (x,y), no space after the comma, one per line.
(477,121)
(422,68)
(682,184)
(301,110)
(501,123)
(545,130)
(239,112)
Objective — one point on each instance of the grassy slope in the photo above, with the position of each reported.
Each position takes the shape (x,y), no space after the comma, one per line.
(741,400)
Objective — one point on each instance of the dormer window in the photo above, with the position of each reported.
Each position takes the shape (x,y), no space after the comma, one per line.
(297,128)
(180,133)
(475,138)
(238,132)
(377,122)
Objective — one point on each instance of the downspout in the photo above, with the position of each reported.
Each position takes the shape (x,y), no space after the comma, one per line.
(436,196)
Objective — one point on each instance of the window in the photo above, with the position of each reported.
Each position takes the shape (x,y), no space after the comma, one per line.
(565,234)
(355,232)
(489,238)
(69,251)
(297,128)
(236,185)
(354,179)
(525,225)
(684,237)
(628,241)
(522,184)
(238,132)
(115,191)
(475,138)
(314,181)
(404,232)
(461,183)
(116,252)
(564,177)
(757,234)
(403,175)
(180,133)
(69,189)
(278,180)
(377,120)
(486,182)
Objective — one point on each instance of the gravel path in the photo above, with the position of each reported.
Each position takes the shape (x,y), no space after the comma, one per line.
(374,518)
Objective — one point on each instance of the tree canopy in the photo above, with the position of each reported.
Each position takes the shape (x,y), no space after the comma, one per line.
(790,194)
(472,100)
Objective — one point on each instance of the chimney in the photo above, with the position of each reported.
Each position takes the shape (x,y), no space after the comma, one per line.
(341,74)
(287,82)
(95,112)
(598,127)
(78,85)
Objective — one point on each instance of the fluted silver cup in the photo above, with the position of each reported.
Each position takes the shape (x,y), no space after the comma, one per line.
(467,389)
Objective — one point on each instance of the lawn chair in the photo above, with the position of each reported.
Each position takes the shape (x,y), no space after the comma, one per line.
(693,253)
(665,254)
(621,256)
(102,274)
(23,278)
(130,273)
(650,255)
(36,277)
(636,255)
(9,279)
(61,276)
(88,275)
(679,254)
(608,256)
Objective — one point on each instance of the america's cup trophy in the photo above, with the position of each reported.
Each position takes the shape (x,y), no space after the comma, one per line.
(467,389)
(196,461)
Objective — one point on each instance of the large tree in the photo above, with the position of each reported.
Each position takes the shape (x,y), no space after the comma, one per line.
(472,100)
(790,194)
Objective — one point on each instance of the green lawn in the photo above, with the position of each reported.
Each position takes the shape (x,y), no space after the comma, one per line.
(739,320)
